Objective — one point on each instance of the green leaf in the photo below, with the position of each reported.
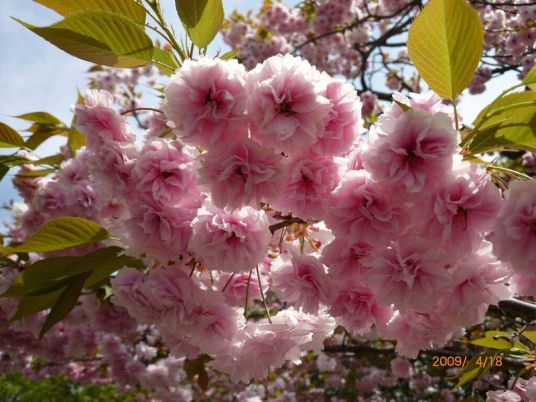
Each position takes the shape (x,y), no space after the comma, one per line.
(496,340)
(231,54)
(99,264)
(65,303)
(202,19)
(127,8)
(40,118)
(100,38)
(36,173)
(41,133)
(33,304)
(13,160)
(164,61)
(489,342)
(445,44)
(3,171)
(9,138)
(508,122)
(53,273)
(53,160)
(474,368)
(530,335)
(530,79)
(111,262)
(76,141)
(59,234)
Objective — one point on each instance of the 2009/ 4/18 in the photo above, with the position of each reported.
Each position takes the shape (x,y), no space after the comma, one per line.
(458,361)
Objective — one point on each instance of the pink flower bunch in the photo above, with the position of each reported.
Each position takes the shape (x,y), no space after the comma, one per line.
(206,101)
(231,241)
(514,231)
(279,202)
(169,299)
(260,347)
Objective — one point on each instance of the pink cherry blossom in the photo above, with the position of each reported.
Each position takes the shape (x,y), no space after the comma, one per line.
(401,368)
(355,307)
(99,121)
(344,122)
(206,100)
(417,331)
(344,260)
(164,172)
(129,292)
(161,232)
(301,280)
(417,153)
(502,396)
(407,274)
(514,231)
(460,212)
(242,173)
(173,296)
(477,281)
(310,182)
(231,241)
(110,166)
(237,286)
(362,210)
(286,108)
(215,322)
(524,285)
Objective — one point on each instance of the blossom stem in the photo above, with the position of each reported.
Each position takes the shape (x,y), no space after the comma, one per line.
(287,222)
(456,120)
(228,282)
(262,296)
(140,108)
(247,295)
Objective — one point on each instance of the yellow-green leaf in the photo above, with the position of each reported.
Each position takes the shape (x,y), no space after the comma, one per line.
(41,133)
(127,8)
(164,61)
(65,303)
(33,304)
(100,38)
(508,122)
(498,340)
(59,234)
(52,160)
(231,54)
(491,343)
(40,118)
(3,171)
(76,141)
(530,79)
(36,173)
(99,264)
(445,44)
(9,138)
(530,335)
(202,19)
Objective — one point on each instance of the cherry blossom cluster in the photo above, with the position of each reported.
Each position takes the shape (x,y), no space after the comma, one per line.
(264,220)
(272,140)
(355,38)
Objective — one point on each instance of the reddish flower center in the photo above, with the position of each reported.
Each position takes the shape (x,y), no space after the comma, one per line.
(284,107)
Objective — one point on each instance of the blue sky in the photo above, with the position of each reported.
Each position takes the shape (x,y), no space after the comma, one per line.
(36,76)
